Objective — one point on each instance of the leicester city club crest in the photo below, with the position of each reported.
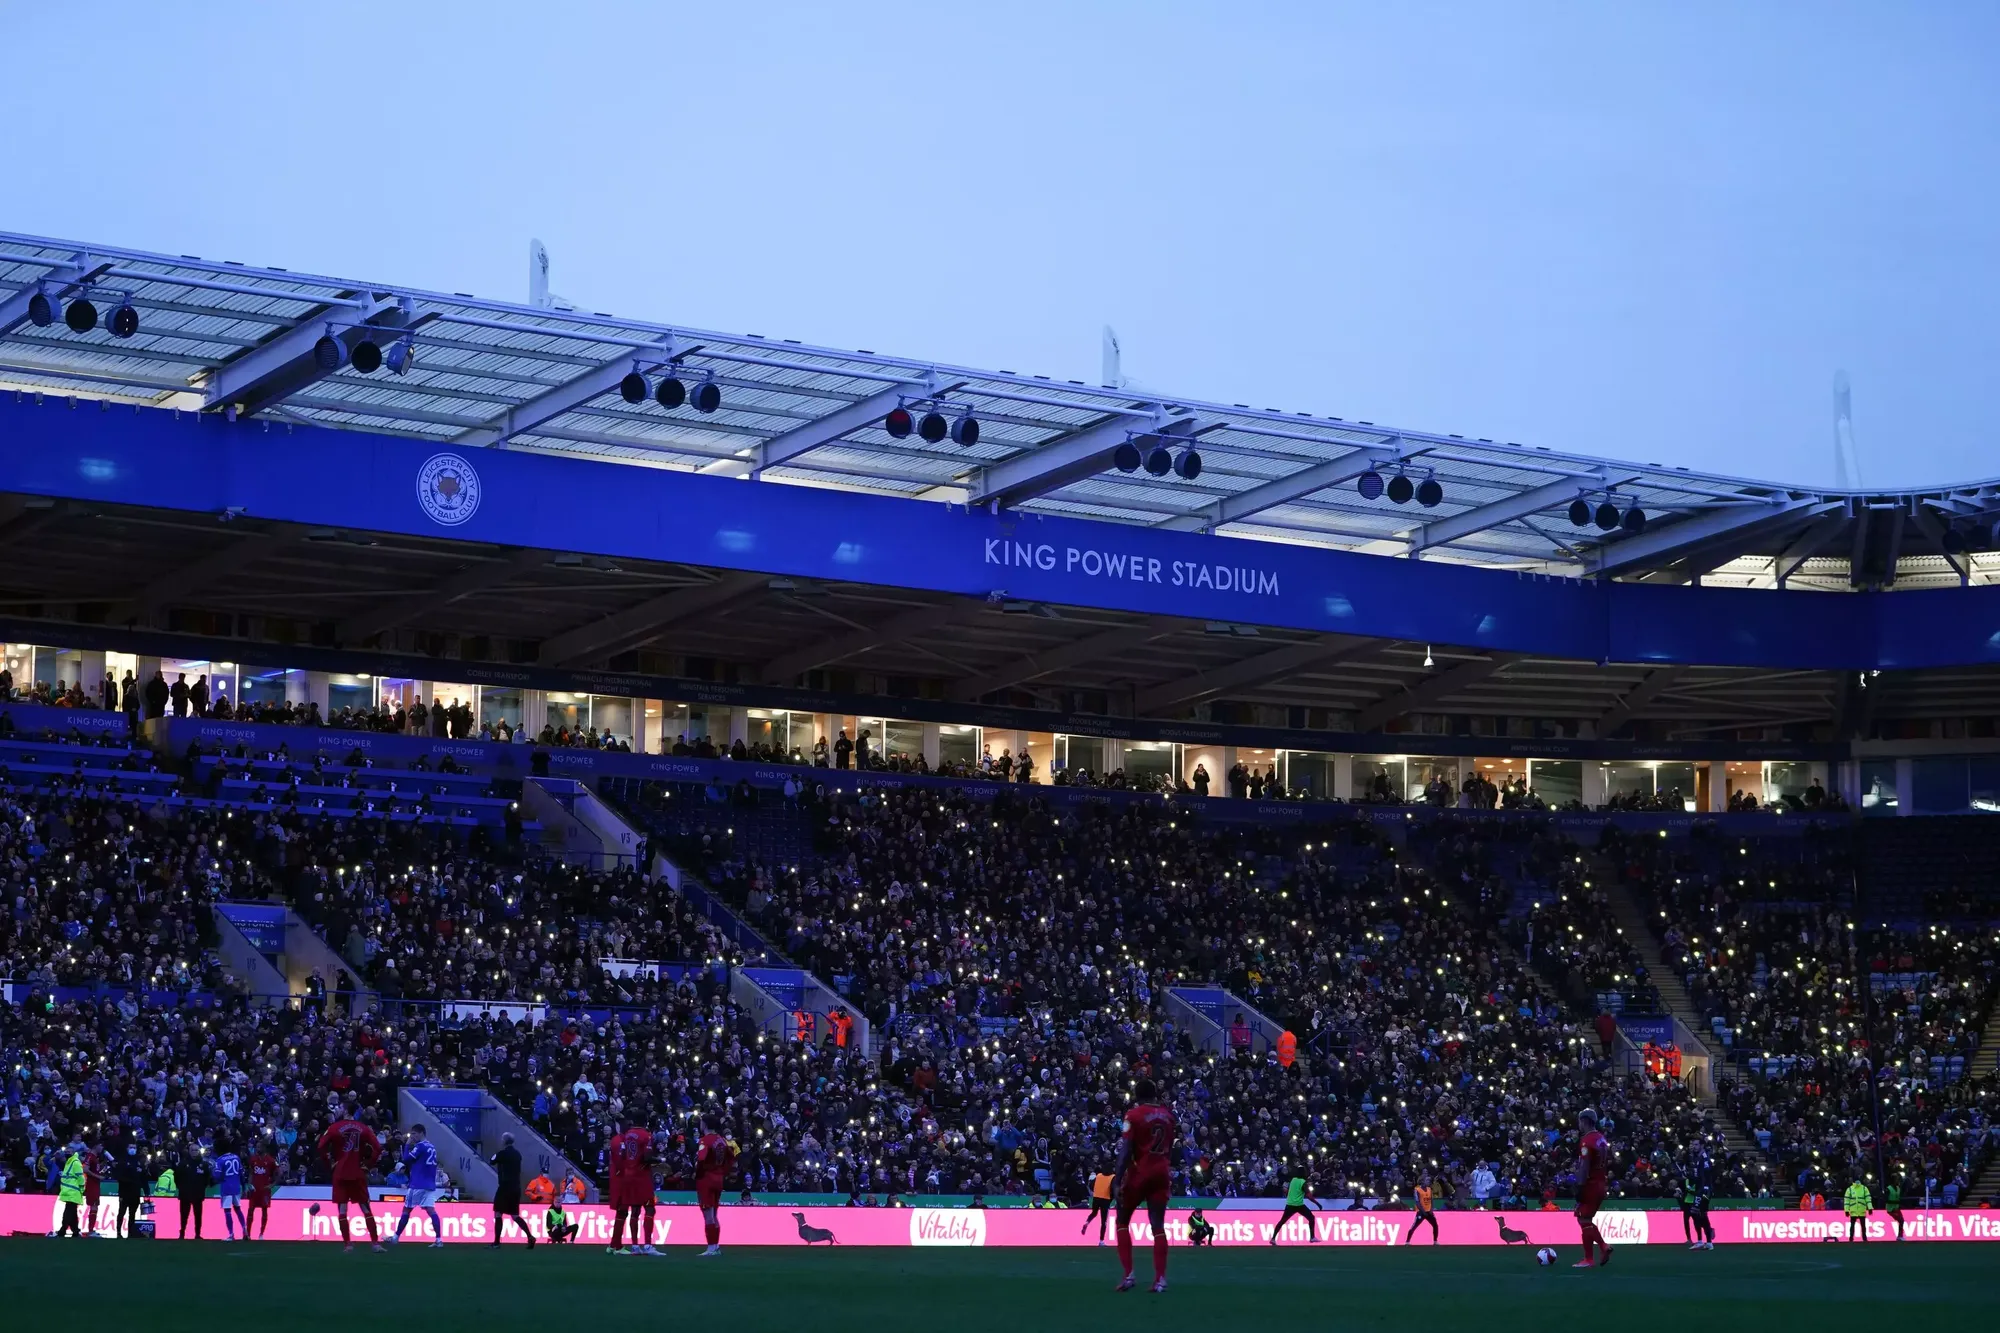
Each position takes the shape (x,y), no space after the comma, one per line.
(448,489)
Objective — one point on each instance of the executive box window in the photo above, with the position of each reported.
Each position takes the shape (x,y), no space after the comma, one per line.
(1557,781)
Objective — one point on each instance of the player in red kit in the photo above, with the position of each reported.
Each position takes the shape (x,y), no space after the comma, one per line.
(632,1194)
(352,1148)
(1144,1174)
(1593,1173)
(94,1167)
(263,1173)
(712,1159)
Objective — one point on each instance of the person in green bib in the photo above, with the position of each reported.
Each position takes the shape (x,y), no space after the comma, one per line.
(69,1189)
(1892,1202)
(556,1225)
(1858,1204)
(1200,1230)
(1296,1195)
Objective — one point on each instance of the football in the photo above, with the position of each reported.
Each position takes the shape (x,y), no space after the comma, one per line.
(1545,1256)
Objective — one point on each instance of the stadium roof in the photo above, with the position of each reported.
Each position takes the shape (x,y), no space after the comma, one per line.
(216,335)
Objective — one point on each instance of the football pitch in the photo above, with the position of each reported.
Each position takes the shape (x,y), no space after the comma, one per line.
(155,1285)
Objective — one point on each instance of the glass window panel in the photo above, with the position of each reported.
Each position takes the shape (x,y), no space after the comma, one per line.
(1559,782)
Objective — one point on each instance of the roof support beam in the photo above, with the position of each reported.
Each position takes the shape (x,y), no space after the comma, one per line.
(475,577)
(642,623)
(62,279)
(1892,555)
(523,418)
(921,620)
(1926,523)
(1425,693)
(272,371)
(782,449)
(1692,563)
(1650,688)
(1661,544)
(1252,671)
(1096,647)
(198,574)
(1081,453)
(1446,530)
(1283,490)
(1819,534)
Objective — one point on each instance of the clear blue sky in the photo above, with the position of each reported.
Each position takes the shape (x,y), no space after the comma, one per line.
(1653,231)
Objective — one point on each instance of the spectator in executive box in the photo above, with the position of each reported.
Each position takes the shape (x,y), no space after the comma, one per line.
(843,750)
(156,695)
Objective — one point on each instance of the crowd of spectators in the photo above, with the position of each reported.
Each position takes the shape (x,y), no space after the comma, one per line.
(1020,958)
(1015,959)
(1812,1005)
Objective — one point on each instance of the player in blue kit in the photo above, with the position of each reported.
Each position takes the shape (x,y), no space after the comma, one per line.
(420,1159)
(229,1186)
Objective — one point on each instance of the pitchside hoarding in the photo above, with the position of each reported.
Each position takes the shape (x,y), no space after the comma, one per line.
(295,1220)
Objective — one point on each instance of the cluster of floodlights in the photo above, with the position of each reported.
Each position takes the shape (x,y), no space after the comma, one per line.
(1151,452)
(366,356)
(1606,515)
(1400,489)
(80,315)
(704,395)
(933,427)
(1973,537)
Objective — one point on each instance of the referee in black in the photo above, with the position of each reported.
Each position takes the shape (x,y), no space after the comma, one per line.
(507,1193)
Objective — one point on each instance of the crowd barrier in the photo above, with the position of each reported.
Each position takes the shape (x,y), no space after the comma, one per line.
(297,1220)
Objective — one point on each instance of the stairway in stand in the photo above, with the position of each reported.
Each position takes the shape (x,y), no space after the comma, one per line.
(1986,1185)
(1631,918)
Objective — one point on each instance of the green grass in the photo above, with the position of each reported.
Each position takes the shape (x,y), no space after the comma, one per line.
(155,1285)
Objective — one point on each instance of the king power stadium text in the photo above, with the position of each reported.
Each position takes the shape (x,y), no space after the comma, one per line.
(465,1223)
(1096,564)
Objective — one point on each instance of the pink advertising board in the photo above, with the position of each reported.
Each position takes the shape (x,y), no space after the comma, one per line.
(467,1223)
